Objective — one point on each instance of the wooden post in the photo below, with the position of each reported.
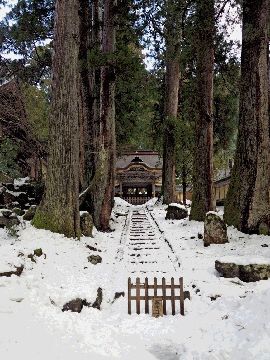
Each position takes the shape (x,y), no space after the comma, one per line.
(164,295)
(155,287)
(138,307)
(129,296)
(146,296)
(182,299)
(173,296)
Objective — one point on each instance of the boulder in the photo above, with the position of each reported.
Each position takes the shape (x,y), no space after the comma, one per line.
(94,259)
(38,252)
(98,301)
(6,213)
(74,305)
(16,272)
(34,190)
(87,224)
(176,212)
(18,211)
(264,229)
(7,197)
(227,269)
(30,213)
(22,199)
(8,218)
(117,295)
(215,230)
(247,271)
(10,186)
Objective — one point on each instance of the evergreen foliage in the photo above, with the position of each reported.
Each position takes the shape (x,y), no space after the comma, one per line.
(8,158)
(37,108)
(26,32)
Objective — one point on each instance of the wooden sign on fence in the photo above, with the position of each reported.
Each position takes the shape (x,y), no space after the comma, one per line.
(143,292)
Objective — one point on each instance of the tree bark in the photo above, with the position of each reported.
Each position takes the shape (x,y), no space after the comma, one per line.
(59,210)
(91,148)
(247,205)
(85,103)
(173,36)
(107,120)
(202,196)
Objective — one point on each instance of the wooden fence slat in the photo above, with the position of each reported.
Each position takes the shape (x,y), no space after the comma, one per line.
(142,286)
(129,296)
(138,307)
(151,297)
(173,296)
(164,295)
(182,299)
(155,286)
(146,296)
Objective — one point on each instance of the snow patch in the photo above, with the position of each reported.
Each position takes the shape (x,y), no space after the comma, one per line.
(244,260)
(180,206)
(225,319)
(212,213)
(21,181)
(120,202)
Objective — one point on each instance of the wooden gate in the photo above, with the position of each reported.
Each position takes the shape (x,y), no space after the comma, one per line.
(158,292)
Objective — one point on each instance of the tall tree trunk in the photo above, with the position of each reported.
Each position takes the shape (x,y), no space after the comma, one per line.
(85,103)
(59,210)
(173,36)
(202,196)
(94,169)
(184,184)
(98,89)
(91,147)
(107,118)
(247,205)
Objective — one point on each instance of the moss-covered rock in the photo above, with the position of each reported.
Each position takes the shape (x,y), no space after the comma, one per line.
(176,212)
(18,211)
(215,230)
(8,218)
(256,270)
(87,224)
(30,213)
(94,259)
(264,229)
(38,252)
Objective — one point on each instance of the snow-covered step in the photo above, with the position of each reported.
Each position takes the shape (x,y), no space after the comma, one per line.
(145,251)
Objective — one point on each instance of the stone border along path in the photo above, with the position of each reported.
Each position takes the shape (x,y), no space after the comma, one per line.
(144,248)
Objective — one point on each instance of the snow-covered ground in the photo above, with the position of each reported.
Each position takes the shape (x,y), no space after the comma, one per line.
(225,319)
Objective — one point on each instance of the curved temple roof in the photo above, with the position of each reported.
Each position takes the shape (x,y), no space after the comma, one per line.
(151,159)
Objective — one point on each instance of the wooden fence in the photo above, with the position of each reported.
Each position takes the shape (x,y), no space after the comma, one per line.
(136,200)
(155,289)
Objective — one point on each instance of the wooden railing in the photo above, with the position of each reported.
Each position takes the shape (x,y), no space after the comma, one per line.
(136,200)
